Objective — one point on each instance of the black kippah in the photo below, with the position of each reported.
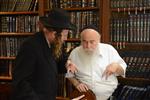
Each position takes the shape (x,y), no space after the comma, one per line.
(91,26)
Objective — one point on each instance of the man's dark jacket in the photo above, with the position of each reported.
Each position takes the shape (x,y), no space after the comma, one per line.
(35,72)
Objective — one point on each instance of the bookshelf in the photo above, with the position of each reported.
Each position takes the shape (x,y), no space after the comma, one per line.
(111,16)
(125,25)
(18,20)
(106,15)
(14,29)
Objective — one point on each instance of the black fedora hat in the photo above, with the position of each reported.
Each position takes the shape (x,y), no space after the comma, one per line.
(57,18)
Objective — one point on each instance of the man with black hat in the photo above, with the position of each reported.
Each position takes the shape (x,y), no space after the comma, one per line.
(35,71)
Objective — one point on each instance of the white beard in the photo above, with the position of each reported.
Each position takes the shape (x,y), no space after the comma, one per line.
(90,52)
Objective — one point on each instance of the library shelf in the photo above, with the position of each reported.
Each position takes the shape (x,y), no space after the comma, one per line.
(128,17)
(134,81)
(20,13)
(5,78)
(79,9)
(15,34)
(7,58)
(130,9)
(72,40)
(82,9)
(123,46)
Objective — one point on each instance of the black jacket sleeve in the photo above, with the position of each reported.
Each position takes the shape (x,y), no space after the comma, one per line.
(22,72)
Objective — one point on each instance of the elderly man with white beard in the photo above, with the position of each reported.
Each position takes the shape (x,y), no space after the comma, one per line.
(95,65)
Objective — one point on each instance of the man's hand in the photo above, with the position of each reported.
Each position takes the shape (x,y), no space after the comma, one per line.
(82,87)
(71,67)
(113,68)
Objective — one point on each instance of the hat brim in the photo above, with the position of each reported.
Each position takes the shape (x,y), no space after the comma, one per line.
(45,21)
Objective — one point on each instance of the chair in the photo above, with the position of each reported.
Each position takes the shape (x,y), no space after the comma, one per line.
(5,91)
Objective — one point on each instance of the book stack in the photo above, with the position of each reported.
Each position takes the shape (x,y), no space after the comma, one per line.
(131,93)
(18,5)
(138,64)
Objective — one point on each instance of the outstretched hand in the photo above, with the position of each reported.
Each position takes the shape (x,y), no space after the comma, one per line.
(113,68)
(71,67)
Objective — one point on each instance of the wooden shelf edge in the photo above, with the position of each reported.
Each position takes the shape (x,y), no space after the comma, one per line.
(7,58)
(133,79)
(140,82)
(79,9)
(131,46)
(82,8)
(15,33)
(115,43)
(18,13)
(5,78)
(130,9)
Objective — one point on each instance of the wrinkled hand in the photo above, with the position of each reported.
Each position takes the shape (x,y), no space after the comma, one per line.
(71,67)
(82,87)
(79,97)
(110,69)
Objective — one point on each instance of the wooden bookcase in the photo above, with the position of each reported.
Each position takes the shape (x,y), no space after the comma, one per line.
(18,21)
(104,14)
(130,18)
(16,24)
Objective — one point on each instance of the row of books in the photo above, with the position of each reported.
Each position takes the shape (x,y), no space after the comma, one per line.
(132,28)
(9,46)
(71,3)
(84,18)
(73,34)
(28,23)
(5,67)
(18,5)
(138,72)
(19,23)
(69,46)
(127,92)
(143,54)
(129,3)
(138,63)
(119,45)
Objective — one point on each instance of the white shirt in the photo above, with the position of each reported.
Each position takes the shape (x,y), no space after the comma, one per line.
(91,68)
